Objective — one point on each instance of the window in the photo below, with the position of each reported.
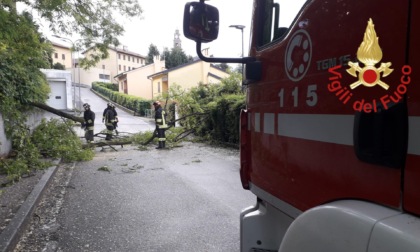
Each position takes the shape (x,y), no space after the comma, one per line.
(137,60)
(103,66)
(134,59)
(104,76)
(129,68)
(119,56)
(128,58)
(63,56)
(56,55)
(276,18)
(158,87)
(119,67)
(124,57)
(125,69)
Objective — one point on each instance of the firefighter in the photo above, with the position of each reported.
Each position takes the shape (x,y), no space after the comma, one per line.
(109,119)
(116,118)
(108,106)
(161,125)
(89,122)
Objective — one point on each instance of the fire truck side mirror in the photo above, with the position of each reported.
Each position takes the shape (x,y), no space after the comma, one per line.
(201,22)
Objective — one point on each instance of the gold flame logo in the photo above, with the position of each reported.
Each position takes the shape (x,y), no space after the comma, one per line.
(369,53)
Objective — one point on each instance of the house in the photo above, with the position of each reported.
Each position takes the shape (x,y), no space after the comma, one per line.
(187,76)
(62,54)
(139,83)
(135,81)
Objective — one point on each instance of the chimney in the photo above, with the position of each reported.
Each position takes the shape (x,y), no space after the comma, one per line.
(156,58)
(205,51)
(125,48)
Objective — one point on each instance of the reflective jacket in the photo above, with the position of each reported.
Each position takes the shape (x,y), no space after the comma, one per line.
(160,118)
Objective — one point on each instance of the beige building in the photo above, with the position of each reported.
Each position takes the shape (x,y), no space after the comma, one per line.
(118,61)
(135,81)
(62,55)
(188,75)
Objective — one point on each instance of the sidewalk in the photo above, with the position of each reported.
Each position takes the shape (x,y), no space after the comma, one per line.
(13,231)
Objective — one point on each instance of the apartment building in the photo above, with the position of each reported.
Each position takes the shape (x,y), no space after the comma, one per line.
(119,60)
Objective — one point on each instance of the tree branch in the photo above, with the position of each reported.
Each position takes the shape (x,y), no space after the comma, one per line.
(57,112)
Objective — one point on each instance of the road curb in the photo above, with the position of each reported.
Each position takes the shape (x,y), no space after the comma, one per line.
(12,233)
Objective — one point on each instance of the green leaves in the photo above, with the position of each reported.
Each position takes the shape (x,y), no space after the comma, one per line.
(223,101)
(94,21)
(174,58)
(56,139)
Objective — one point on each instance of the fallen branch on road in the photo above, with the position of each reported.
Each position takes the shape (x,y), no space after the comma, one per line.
(172,124)
(120,141)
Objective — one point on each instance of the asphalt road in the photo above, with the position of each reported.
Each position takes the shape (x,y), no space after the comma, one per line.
(183,199)
(127,122)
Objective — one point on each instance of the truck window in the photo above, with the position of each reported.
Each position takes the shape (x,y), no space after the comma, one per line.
(276,18)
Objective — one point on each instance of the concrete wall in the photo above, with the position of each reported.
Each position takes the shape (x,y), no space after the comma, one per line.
(5,144)
(33,120)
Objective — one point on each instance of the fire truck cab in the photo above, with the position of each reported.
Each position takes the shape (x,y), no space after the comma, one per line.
(330,137)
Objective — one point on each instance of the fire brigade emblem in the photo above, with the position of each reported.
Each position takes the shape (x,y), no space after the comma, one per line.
(369,53)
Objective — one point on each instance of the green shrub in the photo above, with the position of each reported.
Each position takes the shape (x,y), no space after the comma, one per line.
(55,139)
(222,103)
(137,104)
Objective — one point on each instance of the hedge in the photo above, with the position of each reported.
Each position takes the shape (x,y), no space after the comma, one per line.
(137,104)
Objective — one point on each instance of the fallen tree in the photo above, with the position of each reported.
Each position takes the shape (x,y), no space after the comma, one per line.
(117,141)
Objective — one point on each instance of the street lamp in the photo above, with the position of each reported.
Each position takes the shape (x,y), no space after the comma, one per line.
(241,27)
(73,62)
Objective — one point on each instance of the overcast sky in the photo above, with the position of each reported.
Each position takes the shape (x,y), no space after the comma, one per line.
(161,18)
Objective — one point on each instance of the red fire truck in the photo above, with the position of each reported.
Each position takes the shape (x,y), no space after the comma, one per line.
(330,138)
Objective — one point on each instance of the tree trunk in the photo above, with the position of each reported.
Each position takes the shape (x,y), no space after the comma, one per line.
(107,143)
(57,112)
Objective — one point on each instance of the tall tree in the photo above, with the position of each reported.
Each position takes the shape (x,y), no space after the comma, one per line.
(153,51)
(175,57)
(23,51)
